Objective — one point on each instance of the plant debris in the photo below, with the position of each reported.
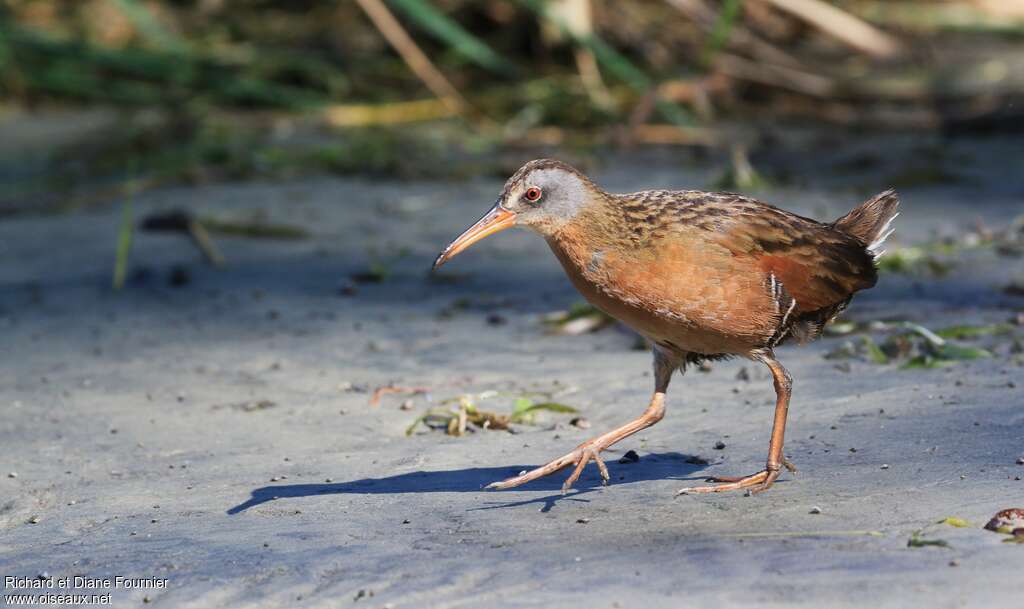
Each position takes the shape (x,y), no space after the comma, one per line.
(918,260)
(379,392)
(916,541)
(915,346)
(964,331)
(248,406)
(184,222)
(582,423)
(456,421)
(255,229)
(581,318)
(953,521)
(377,272)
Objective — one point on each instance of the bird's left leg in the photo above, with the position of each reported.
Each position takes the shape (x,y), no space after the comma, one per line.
(763,479)
(665,363)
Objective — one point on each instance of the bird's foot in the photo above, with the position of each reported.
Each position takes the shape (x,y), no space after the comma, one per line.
(761,481)
(580,456)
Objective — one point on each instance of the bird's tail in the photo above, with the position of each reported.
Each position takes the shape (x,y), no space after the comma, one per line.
(870,221)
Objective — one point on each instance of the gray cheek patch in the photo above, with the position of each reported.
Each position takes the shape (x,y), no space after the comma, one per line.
(564,193)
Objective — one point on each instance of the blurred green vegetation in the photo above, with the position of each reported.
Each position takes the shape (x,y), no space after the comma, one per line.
(210,89)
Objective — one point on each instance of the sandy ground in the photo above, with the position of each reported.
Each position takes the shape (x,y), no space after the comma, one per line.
(217,434)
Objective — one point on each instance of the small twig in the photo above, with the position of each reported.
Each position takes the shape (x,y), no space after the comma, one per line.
(202,239)
(413,56)
(777,76)
(739,36)
(395,113)
(672,135)
(379,392)
(184,222)
(848,29)
(577,17)
(617,64)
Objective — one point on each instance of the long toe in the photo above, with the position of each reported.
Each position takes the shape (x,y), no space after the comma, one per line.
(533,474)
(736,484)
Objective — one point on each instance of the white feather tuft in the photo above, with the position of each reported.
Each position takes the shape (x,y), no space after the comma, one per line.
(884,232)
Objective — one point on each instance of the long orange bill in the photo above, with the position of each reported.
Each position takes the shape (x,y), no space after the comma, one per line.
(494,221)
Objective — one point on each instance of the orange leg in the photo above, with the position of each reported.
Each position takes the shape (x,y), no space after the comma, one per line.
(763,479)
(665,364)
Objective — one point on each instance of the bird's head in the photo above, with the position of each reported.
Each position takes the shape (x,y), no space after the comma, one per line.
(543,195)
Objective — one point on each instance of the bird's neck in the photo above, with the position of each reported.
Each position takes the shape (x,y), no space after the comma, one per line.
(581,243)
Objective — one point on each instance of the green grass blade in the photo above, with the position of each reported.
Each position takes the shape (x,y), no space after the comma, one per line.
(454,35)
(124,245)
(721,30)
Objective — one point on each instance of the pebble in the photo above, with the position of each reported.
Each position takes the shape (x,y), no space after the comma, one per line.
(815,510)
(1020,461)
(719,445)
(406,405)
(630,457)
(585,424)
(15,474)
(954,563)
(582,520)
(885,466)
(33,520)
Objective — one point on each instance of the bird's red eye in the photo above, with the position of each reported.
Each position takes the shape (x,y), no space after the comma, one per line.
(532,194)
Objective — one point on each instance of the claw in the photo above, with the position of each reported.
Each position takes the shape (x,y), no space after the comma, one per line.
(789,465)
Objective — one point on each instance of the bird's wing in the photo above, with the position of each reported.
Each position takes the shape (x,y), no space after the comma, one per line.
(817,266)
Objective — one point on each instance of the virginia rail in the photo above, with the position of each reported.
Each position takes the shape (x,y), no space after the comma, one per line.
(701,275)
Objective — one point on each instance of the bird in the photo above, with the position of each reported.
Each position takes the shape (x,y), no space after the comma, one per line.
(702,276)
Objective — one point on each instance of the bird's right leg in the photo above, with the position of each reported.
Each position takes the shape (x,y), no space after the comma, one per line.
(665,363)
(763,479)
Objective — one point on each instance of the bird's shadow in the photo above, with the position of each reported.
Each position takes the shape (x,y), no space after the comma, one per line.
(654,466)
